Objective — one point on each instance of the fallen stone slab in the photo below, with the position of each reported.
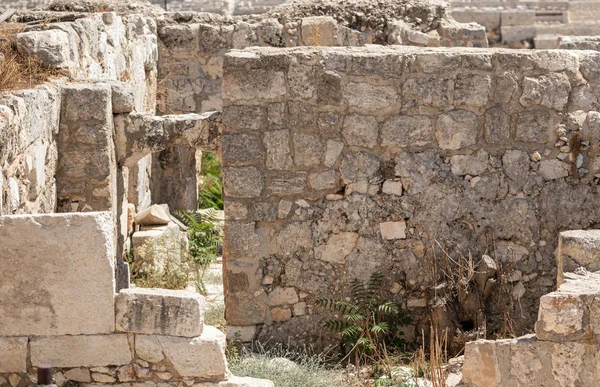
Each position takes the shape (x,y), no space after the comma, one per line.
(61,268)
(155,215)
(160,312)
(81,351)
(200,357)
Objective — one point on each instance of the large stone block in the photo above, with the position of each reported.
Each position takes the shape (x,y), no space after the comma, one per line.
(200,357)
(160,311)
(81,351)
(58,274)
(13,354)
(579,248)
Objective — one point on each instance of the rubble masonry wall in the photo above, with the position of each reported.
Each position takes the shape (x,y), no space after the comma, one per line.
(342,162)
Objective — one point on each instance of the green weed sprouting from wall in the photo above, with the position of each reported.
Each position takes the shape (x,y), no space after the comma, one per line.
(369,325)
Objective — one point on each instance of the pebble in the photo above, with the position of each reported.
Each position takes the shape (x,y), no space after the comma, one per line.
(536,156)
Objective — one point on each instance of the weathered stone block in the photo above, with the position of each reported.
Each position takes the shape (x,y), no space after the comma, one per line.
(50,47)
(319,31)
(337,248)
(278,150)
(242,182)
(13,354)
(393,230)
(370,98)
(561,318)
(497,125)
(534,126)
(200,357)
(359,166)
(579,248)
(333,150)
(241,149)
(553,169)
(323,180)
(157,246)
(472,90)
(404,131)
(62,256)
(469,164)
(81,351)
(160,312)
(155,215)
(457,129)
(434,92)
(360,130)
(551,91)
(308,150)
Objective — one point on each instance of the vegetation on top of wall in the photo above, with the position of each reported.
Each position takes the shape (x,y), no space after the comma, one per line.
(210,192)
(16,71)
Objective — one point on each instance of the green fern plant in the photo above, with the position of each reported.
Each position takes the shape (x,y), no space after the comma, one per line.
(369,325)
(210,194)
(204,236)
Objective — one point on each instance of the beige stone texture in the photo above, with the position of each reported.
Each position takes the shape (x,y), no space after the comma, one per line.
(81,351)
(13,354)
(160,312)
(201,357)
(393,230)
(72,291)
(155,215)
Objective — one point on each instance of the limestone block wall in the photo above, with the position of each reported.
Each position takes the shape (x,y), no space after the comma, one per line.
(58,307)
(191,51)
(341,162)
(101,47)
(29,123)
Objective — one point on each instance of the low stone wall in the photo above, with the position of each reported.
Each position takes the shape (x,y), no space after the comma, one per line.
(579,43)
(58,307)
(343,162)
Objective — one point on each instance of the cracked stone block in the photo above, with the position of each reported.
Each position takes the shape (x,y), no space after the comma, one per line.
(199,357)
(160,311)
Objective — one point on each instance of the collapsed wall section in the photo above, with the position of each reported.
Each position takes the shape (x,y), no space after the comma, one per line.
(342,162)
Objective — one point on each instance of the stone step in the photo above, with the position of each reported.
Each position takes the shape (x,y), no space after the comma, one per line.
(572,313)
(160,312)
(578,248)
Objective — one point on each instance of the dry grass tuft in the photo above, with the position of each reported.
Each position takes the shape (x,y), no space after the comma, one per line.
(16,71)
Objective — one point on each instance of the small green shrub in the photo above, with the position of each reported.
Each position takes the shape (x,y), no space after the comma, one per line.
(210,194)
(204,236)
(369,325)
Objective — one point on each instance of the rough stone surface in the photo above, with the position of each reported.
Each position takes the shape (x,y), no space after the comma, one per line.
(81,351)
(63,257)
(430,146)
(13,354)
(160,312)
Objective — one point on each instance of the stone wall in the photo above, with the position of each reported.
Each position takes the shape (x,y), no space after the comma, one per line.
(58,307)
(122,53)
(342,162)
(579,43)
(192,46)
(223,7)
(29,121)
